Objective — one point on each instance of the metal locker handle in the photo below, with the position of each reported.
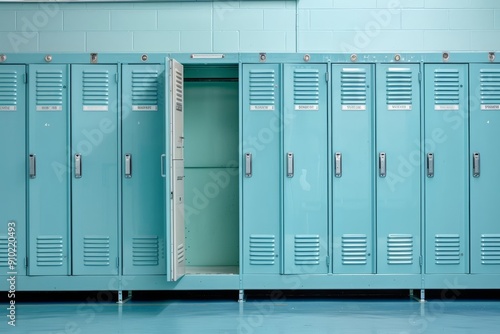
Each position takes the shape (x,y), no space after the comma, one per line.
(163,157)
(338,164)
(476,164)
(289,165)
(430,165)
(128,165)
(32,166)
(382,164)
(78,166)
(248,165)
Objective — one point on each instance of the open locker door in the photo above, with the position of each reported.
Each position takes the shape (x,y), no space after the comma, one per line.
(175,145)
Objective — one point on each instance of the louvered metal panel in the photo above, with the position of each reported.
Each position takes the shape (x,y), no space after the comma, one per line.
(447,249)
(353,201)
(446,170)
(307,250)
(306,90)
(96,251)
(446,89)
(8,90)
(262,249)
(400,249)
(145,90)
(49,251)
(95,90)
(49,89)
(143,190)
(353,88)
(398,119)
(485,185)
(399,88)
(261,111)
(262,89)
(4,251)
(176,92)
(490,249)
(305,168)
(354,249)
(49,194)
(145,251)
(490,89)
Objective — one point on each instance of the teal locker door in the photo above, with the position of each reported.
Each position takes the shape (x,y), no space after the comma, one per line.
(354,163)
(398,180)
(12,166)
(173,169)
(143,130)
(49,191)
(94,169)
(261,171)
(446,169)
(305,169)
(485,160)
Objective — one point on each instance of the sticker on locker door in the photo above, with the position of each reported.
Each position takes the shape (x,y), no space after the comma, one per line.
(95,108)
(490,107)
(8,108)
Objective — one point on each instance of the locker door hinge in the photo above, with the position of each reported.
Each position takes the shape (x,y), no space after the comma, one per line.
(25,78)
(117,262)
(26,262)
(171,195)
(419,77)
(327,76)
(420,262)
(116,77)
(328,262)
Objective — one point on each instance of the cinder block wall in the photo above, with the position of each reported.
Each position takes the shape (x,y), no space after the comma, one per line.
(247,26)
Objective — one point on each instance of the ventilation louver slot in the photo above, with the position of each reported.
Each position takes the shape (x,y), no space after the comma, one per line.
(4,251)
(490,249)
(145,251)
(446,89)
(307,249)
(49,251)
(447,249)
(399,89)
(96,90)
(306,89)
(490,89)
(399,249)
(96,251)
(49,90)
(145,90)
(8,90)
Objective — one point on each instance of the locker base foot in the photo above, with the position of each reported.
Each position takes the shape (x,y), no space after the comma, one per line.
(422,296)
(241,297)
(122,301)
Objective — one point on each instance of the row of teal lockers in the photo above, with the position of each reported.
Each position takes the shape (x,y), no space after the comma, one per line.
(319,170)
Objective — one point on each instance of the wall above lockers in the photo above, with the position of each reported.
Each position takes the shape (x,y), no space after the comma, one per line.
(252,26)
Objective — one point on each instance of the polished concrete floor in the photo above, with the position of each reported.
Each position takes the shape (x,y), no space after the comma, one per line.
(275,313)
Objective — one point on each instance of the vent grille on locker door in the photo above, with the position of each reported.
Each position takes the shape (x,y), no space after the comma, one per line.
(49,90)
(490,249)
(4,251)
(179,89)
(490,89)
(144,90)
(307,249)
(399,88)
(262,90)
(447,89)
(49,251)
(306,89)
(447,249)
(96,251)
(399,249)
(96,90)
(180,253)
(8,90)
(354,249)
(262,249)
(353,89)
(145,251)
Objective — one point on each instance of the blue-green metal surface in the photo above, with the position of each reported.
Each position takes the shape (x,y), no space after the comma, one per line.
(353,118)
(484,187)
(49,195)
(95,195)
(447,191)
(13,168)
(398,189)
(305,197)
(261,113)
(143,131)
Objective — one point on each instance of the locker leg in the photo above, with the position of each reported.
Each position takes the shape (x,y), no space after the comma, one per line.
(422,295)
(241,297)
(120,297)
(412,295)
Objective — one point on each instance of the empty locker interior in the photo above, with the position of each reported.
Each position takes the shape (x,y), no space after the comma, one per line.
(211,130)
